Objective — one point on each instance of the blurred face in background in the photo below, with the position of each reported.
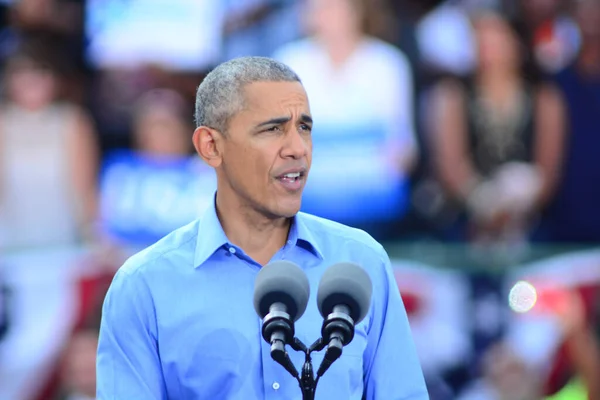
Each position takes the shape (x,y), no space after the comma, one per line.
(333,19)
(160,129)
(497,45)
(538,11)
(587,14)
(30,85)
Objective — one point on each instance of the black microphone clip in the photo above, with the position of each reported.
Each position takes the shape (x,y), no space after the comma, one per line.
(337,331)
(278,330)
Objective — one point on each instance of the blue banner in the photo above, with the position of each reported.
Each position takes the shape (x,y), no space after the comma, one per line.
(143,198)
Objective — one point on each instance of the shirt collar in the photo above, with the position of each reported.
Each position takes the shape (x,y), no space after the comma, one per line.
(211,236)
(302,236)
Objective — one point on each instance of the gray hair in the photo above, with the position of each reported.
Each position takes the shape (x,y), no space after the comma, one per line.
(220,95)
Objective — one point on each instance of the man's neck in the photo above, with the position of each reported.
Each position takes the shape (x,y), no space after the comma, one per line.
(260,237)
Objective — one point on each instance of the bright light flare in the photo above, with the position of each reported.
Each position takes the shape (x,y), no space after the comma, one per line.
(522,297)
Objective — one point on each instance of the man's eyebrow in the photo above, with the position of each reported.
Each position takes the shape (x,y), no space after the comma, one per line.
(282,120)
(274,121)
(306,118)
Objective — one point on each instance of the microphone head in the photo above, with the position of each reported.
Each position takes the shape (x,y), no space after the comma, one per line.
(345,283)
(281,282)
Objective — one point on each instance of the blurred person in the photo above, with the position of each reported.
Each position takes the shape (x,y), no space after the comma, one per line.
(161,334)
(583,350)
(553,334)
(47,160)
(573,216)
(159,125)
(58,26)
(134,46)
(497,138)
(576,311)
(569,365)
(157,186)
(361,91)
(505,377)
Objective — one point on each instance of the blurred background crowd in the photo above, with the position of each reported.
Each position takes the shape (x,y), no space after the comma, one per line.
(463,134)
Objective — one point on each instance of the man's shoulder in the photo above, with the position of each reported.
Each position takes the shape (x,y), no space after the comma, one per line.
(178,245)
(341,234)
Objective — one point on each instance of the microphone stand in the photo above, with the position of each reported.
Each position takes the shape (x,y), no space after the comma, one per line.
(276,330)
(337,331)
(307,381)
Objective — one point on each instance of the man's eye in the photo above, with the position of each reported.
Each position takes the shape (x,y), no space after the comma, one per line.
(272,129)
(305,127)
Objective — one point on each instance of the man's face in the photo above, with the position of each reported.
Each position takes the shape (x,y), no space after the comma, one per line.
(267,152)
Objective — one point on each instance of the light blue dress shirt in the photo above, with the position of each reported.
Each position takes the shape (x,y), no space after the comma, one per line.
(178,322)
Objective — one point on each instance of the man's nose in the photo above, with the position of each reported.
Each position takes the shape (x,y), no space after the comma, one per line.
(296,145)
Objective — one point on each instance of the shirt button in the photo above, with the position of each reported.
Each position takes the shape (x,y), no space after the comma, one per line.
(232,250)
(275,385)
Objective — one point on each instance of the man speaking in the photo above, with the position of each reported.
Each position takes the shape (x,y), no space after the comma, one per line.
(178,320)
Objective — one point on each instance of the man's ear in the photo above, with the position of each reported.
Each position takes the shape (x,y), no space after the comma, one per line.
(209,146)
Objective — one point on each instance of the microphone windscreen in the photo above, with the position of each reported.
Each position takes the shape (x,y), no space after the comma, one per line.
(281,282)
(345,283)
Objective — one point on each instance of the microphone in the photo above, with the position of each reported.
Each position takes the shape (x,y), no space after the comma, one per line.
(281,292)
(344,299)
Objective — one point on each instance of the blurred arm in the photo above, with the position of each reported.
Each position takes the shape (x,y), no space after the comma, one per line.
(84,161)
(392,370)
(585,356)
(549,140)
(581,344)
(128,365)
(403,141)
(451,158)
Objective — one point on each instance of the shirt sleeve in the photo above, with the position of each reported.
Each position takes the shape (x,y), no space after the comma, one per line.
(128,365)
(392,367)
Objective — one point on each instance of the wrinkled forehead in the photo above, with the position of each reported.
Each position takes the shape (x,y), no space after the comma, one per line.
(275,98)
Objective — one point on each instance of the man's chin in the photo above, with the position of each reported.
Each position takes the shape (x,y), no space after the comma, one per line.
(290,212)
(289,209)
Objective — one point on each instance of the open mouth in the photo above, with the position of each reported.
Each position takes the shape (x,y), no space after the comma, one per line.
(292,181)
(291,177)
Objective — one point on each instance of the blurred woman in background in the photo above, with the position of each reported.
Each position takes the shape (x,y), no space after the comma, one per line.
(158,185)
(497,138)
(48,160)
(160,125)
(361,96)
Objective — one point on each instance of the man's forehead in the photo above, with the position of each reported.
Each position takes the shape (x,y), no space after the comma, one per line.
(275,94)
